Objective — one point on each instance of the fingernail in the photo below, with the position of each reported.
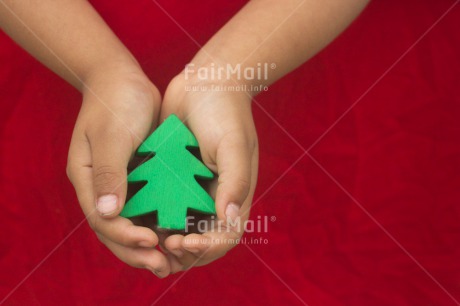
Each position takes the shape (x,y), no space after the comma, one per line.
(107,204)
(232,211)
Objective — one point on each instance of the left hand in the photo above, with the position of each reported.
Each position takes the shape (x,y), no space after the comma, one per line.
(223,125)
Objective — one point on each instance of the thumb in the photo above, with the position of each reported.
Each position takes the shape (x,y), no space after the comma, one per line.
(233,158)
(111,150)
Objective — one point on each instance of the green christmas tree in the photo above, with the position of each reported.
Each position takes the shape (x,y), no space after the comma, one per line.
(170,176)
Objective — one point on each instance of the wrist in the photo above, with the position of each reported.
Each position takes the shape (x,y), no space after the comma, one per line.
(183,95)
(110,70)
(183,86)
(121,83)
(223,77)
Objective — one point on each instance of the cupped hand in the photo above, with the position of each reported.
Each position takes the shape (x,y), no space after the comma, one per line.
(119,109)
(222,122)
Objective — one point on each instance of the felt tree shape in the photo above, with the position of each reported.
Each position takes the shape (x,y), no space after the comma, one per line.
(170,176)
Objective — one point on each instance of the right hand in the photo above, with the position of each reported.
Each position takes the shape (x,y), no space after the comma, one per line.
(119,109)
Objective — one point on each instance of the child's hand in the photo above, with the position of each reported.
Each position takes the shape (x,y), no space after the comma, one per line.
(118,111)
(222,122)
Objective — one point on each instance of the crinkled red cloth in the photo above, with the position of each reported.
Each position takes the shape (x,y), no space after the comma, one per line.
(371,218)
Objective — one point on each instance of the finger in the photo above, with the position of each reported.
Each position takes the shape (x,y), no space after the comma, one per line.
(147,258)
(217,244)
(183,258)
(114,133)
(246,207)
(119,230)
(176,254)
(174,263)
(173,244)
(196,250)
(111,148)
(233,159)
(196,243)
(123,232)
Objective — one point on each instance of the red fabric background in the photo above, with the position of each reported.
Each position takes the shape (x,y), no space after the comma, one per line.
(396,154)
